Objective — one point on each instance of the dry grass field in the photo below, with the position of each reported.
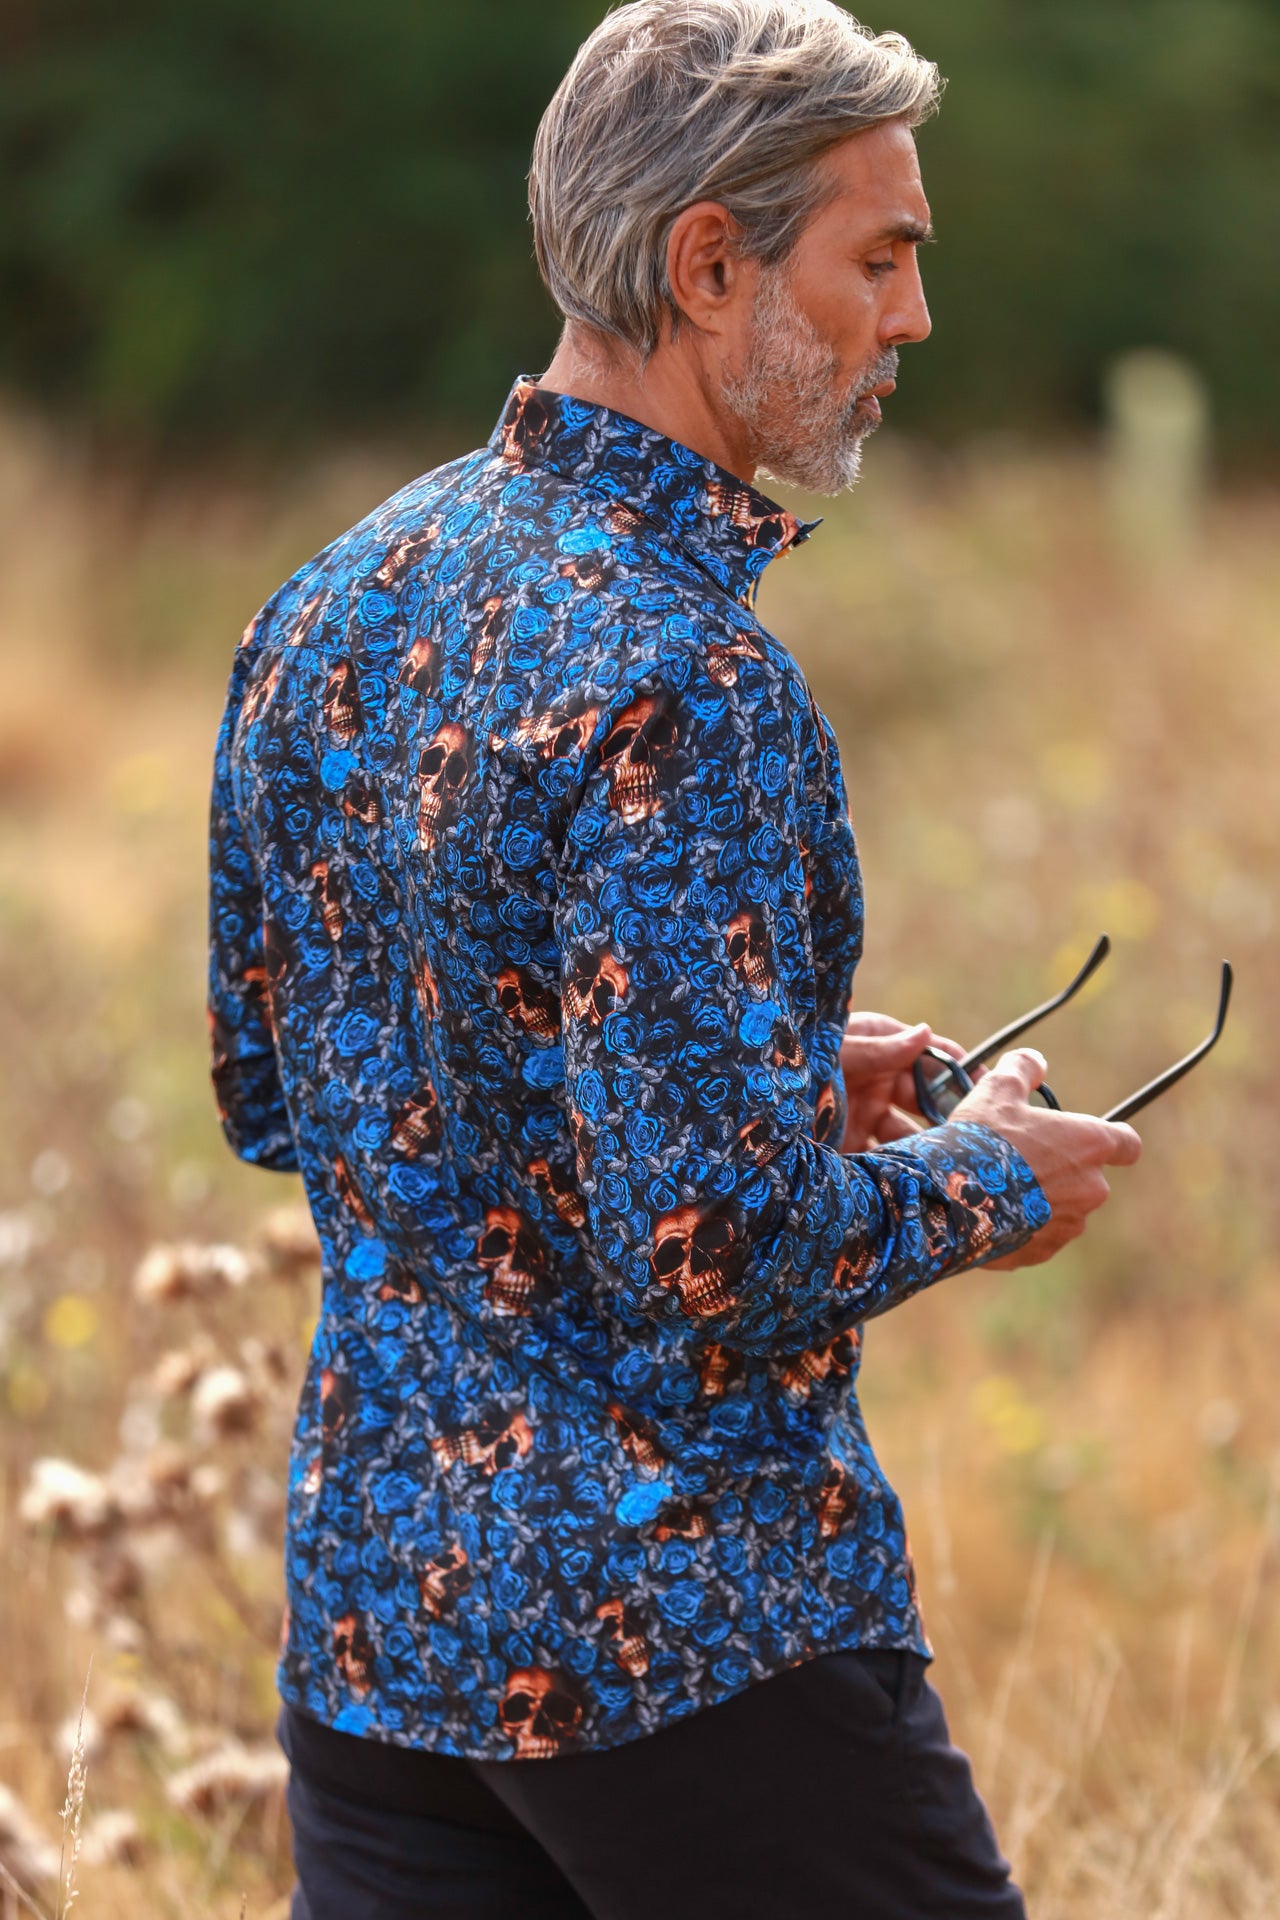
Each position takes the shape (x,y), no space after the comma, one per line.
(1047,731)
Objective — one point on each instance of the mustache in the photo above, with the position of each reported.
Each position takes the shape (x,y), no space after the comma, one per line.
(883,367)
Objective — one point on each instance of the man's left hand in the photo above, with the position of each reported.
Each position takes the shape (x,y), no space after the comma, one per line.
(876,1058)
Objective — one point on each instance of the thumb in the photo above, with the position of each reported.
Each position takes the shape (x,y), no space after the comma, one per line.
(1024,1067)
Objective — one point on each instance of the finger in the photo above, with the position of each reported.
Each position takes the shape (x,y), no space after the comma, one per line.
(893,1125)
(864,1024)
(870,1055)
(1124,1146)
(1025,1067)
(1097,1189)
(956,1051)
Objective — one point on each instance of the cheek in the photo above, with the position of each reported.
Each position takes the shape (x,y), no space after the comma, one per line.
(846,311)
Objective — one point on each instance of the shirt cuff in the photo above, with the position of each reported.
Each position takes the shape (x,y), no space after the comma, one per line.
(994,1199)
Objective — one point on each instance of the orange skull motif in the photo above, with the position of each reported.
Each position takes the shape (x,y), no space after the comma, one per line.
(442,774)
(634,754)
(558,1187)
(533,1008)
(624,1629)
(342,703)
(692,1252)
(595,988)
(539,1712)
(515,1258)
(353,1651)
(444,1577)
(487,1445)
(748,944)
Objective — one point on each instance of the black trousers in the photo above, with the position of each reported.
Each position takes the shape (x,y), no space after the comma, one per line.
(830,1790)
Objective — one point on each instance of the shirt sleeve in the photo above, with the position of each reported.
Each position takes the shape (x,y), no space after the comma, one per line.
(245,1070)
(694,1052)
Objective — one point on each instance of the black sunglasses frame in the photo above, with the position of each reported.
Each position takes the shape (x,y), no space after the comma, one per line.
(957,1075)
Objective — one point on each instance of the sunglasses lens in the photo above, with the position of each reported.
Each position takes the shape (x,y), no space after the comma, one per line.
(939,1094)
(945,1095)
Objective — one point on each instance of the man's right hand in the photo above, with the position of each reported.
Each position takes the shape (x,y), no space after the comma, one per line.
(1065,1151)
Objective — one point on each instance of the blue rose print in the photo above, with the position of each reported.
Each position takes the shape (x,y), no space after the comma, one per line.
(534,912)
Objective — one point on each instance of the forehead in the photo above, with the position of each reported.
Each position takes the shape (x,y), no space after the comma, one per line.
(873,179)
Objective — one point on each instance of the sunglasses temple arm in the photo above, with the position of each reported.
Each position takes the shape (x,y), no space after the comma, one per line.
(1016,1028)
(1162,1083)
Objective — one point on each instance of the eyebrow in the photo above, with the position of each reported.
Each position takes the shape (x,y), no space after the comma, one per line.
(919,233)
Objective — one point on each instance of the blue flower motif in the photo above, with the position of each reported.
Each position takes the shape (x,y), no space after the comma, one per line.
(680,1604)
(642,1502)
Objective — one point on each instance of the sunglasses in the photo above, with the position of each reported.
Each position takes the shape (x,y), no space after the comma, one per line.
(940,1093)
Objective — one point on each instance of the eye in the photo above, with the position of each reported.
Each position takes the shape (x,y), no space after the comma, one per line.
(881,266)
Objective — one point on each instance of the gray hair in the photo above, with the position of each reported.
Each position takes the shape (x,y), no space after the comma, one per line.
(673,101)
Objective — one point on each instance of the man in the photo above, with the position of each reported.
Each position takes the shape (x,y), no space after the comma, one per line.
(535,912)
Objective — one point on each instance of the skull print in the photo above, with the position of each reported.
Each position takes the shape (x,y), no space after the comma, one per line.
(417,1126)
(635,753)
(717,1370)
(748,945)
(421,669)
(689,1520)
(488,1444)
(335,1399)
(807,1370)
(311,617)
(428,996)
(764,524)
(638,1440)
(360,800)
(557,733)
(342,703)
(540,1711)
(405,554)
(442,774)
(787,1051)
(560,1188)
(624,1629)
(259,694)
(533,1008)
(694,1253)
(330,901)
(757,1142)
(524,424)
(353,1652)
(487,635)
(350,1194)
(849,1268)
(837,1498)
(596,986)
(515,1258)
(397,1284)
(723,658)
(443,1578)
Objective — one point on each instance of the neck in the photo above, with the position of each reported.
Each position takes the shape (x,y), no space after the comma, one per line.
(672,391)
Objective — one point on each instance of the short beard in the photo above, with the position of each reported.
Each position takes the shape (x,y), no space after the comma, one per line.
(806,433)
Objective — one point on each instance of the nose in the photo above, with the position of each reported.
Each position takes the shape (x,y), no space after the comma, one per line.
(906,321)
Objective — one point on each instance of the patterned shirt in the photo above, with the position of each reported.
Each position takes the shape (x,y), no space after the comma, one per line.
(535,908)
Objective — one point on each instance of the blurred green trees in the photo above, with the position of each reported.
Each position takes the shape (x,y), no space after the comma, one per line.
(264,219)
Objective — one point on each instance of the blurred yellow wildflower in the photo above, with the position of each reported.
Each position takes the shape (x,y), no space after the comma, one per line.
(70,1321)
(1075,771)
(1001,1406)
(28,1392)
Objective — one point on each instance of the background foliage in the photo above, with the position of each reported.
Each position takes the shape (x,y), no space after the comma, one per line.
(260,220)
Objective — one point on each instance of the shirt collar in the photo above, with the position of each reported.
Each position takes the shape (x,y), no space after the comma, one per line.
(729,528)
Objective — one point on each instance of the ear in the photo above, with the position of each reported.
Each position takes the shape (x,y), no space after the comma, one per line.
(708,277)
